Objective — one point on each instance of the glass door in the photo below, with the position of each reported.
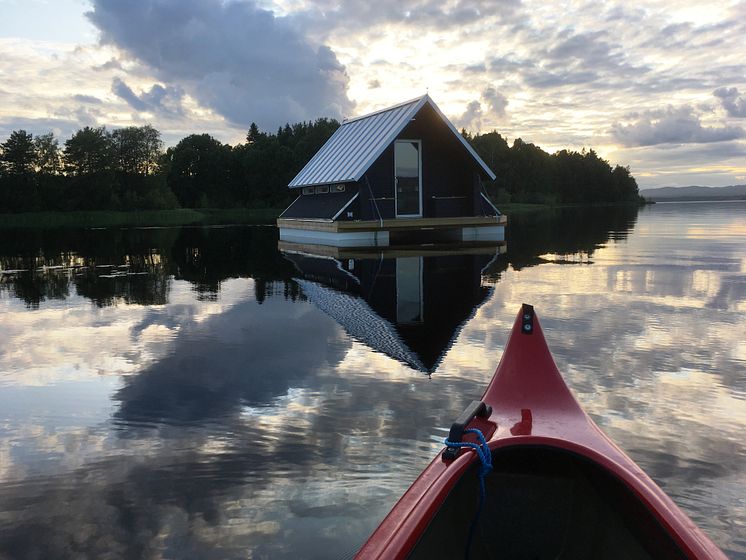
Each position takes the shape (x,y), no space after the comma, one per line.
(407,177)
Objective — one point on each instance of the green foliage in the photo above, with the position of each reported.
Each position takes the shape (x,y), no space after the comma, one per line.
(137,149)
(47,151)
(89,151)
(267,162)
(526,173)
(198,171)
(253,135)
(17,154)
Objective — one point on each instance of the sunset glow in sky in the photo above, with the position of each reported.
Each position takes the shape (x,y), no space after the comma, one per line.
(659,86)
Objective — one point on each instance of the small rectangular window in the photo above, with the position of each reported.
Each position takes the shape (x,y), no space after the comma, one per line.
(322,189)
(339,188)
(308,190)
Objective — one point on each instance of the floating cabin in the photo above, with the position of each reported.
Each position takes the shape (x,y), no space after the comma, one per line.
(400,176)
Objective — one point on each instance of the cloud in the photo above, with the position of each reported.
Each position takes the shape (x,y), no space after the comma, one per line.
(472,117)
(471,69)
(424,14)
(90,99)
(492,101)
(63,126)
(733,104)
(672,126)
(503,65)
(111,64)
(158,99)
(232,57)
(496,101)
(571,58)
(120,89)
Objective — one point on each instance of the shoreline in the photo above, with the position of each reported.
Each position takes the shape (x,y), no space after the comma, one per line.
(203,216)
(144,218)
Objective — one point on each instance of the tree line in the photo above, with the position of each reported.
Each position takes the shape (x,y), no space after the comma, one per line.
(526,173)
(129,169)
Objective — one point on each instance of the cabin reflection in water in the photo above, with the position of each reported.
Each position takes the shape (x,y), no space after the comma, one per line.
(406,305)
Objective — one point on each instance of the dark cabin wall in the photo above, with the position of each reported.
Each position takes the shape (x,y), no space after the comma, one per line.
(352,212)
(377,188)
(450,176)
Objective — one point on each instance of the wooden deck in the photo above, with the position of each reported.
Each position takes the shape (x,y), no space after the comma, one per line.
(400,224)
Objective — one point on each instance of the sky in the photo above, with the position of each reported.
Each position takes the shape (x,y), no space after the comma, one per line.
(658,86)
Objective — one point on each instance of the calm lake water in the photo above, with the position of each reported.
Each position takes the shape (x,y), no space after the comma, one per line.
(194,393)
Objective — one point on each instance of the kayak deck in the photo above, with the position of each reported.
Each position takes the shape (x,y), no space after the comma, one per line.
(544,503)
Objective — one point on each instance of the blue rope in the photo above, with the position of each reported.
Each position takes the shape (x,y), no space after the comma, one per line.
(485,457)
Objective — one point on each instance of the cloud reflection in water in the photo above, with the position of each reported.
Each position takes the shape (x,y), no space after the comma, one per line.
(245,428)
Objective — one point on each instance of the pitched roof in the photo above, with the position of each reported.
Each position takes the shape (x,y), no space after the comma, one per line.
(359,142)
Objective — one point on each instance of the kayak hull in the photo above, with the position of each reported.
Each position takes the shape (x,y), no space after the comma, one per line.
(533,409)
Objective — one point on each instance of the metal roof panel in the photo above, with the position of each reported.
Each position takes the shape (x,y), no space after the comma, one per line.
(359,142)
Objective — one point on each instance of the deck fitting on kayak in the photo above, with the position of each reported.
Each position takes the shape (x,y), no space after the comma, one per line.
(456,434)
(527,318)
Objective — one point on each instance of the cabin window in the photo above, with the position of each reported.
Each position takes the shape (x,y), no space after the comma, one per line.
(323,189)
(339,188)
(308,190)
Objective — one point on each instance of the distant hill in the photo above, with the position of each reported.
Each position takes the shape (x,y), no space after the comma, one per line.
(695,193)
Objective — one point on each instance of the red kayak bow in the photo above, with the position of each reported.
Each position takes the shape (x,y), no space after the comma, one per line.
(559,488)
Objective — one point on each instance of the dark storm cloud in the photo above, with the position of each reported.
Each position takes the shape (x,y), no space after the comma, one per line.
(159,99)
(233,57)
(672,126)
(732,102)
